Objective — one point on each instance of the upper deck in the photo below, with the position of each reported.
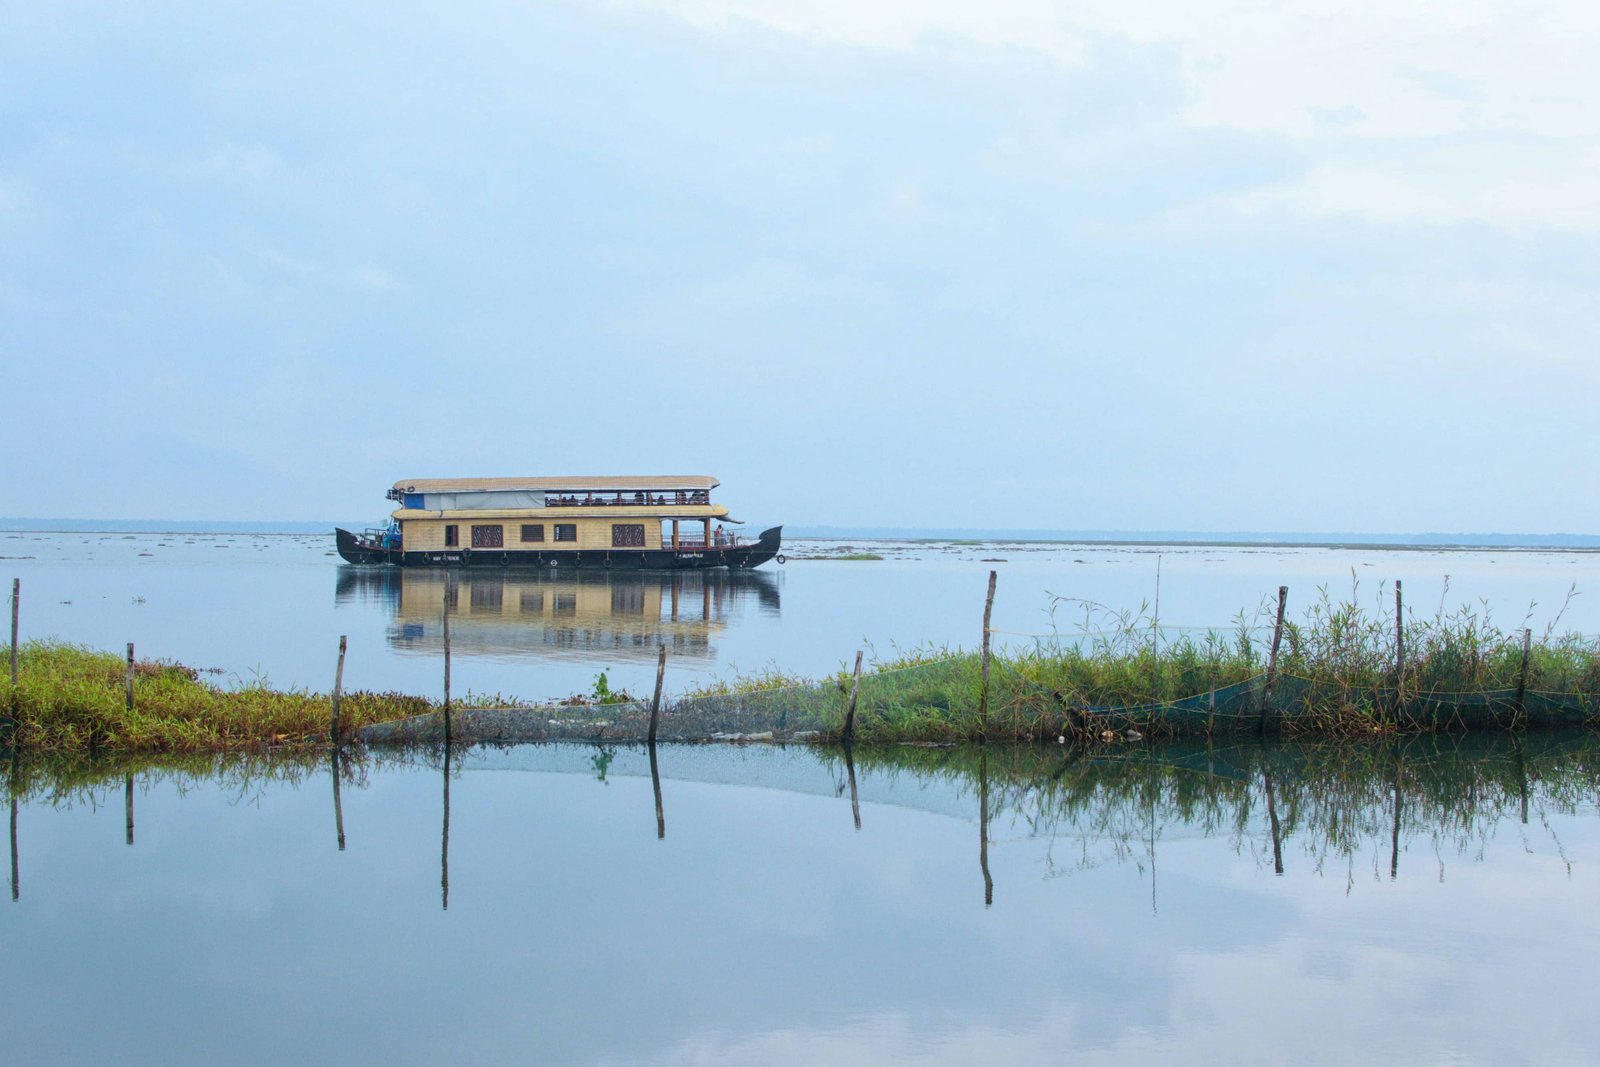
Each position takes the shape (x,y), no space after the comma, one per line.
(536,493)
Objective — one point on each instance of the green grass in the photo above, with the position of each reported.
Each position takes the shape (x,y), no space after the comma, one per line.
(73,698)
(1336,675)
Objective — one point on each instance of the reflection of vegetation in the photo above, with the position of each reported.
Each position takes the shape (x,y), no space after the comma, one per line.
(601,760)
(61,778)
(1335,802)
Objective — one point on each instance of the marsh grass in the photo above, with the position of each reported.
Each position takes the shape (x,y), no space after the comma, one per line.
(1123,673)
(72,698)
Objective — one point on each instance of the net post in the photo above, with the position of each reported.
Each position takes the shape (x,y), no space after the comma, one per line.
(1522,682)
(655,702)
(338,693)
(983,692)
(1272,660)
(850,711)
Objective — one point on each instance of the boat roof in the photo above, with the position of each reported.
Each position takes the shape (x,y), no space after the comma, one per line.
(612,482)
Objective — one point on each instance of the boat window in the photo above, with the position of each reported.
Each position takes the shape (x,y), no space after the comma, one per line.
(488,536)
(627,535)
(533,531)
(566,531)
(452,536)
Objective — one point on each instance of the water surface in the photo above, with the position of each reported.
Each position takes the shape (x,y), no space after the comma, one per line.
(1426,902)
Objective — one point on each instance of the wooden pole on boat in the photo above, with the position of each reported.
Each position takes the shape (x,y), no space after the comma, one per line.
(1272,660)
(129,679)
(850,711)
(983,693)
(338,693)
(16,598)
(1522,678)
(655,702)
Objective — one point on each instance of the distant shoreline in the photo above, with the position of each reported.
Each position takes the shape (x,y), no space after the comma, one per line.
(1088,538)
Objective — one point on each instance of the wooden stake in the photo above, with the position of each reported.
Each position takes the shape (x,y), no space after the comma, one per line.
(655,702)
(447,675)
(130,676)
(1272,660)
(983,693)
(1522,678)
(338,692)
(16,598)
(1399,641)
(850,712)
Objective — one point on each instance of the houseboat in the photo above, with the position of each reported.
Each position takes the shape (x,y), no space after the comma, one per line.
(649,522)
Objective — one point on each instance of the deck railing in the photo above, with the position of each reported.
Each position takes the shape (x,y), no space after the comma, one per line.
(627,500)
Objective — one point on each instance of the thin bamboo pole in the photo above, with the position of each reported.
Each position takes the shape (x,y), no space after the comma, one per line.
(850,712)
(338,693)
(655,702)
(983,693)
(1272,660)
(1522,679)
(447,676)
(16,599)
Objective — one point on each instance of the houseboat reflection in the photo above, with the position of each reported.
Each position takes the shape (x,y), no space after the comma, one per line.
(524,611)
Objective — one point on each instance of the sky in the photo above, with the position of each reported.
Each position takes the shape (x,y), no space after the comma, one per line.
(1109,264)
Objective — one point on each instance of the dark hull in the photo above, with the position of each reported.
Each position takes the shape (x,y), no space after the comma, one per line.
(355,549)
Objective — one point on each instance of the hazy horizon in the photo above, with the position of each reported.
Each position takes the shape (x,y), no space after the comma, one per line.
(1465,539)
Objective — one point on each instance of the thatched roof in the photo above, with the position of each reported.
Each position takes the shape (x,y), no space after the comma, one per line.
(608,483)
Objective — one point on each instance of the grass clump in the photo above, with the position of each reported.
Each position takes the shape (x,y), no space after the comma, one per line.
(68,697)
(1339,672)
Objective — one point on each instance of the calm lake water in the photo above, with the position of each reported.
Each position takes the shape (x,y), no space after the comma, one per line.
(1428,902)
(273,607)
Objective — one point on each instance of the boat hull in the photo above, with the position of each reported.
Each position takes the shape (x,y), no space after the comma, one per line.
(355,549)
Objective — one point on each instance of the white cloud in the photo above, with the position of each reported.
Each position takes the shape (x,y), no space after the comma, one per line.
(1357,87)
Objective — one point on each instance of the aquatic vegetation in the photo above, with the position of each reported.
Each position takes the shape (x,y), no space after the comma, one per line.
(1340,669)
(68,697)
